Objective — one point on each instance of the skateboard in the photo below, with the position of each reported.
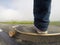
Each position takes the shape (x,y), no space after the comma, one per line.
(30,34)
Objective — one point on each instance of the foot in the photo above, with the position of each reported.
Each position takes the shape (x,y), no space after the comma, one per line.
(41,32)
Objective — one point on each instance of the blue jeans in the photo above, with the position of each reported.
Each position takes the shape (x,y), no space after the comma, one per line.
(41,14)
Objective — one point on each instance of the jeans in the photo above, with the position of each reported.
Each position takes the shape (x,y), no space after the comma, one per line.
(41,12)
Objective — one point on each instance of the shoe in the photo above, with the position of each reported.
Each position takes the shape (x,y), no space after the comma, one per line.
(40,32)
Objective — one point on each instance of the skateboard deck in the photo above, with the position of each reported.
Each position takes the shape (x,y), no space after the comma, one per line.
(30,34)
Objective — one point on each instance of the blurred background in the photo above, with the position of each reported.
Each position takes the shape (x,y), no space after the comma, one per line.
(22,10)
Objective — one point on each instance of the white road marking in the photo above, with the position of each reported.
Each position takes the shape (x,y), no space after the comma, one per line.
(1,30)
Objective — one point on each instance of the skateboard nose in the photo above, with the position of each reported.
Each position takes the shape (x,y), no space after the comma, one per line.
(1,30)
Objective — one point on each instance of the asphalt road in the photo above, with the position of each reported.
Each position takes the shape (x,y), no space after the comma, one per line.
(51,29)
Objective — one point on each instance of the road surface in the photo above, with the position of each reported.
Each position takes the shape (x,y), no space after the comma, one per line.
(51,29)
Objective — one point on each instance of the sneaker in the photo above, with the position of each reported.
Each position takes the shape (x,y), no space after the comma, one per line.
(41,32)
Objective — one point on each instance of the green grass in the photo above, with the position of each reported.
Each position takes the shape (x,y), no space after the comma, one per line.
(29,22)
(18,22)
(57,23)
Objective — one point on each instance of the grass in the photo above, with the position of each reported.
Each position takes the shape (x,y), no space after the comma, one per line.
(57,23)
(18,22)
(29,22)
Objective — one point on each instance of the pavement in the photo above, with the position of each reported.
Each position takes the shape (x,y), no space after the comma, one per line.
(51,29)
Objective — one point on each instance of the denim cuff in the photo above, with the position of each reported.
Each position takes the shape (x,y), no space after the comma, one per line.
(41,25)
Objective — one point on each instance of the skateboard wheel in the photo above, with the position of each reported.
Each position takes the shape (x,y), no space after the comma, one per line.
(12,33)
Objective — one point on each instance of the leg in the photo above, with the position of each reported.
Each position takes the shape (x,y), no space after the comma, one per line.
(41,14)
